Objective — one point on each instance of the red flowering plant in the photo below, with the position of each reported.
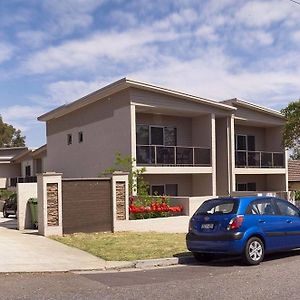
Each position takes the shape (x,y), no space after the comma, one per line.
(152,207)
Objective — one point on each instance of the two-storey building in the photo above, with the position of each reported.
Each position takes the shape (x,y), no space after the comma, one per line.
(190,146)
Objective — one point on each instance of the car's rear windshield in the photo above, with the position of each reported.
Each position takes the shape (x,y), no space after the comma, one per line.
(218,206)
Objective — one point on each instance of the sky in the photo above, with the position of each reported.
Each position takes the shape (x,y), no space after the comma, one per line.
(53,52)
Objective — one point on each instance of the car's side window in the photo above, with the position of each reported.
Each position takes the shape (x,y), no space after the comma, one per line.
(287,209)
(261,207)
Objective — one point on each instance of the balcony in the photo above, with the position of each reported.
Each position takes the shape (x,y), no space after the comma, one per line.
(172,156)
(28,179)
(259,159)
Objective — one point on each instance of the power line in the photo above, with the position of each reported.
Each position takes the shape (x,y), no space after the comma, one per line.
(295,2)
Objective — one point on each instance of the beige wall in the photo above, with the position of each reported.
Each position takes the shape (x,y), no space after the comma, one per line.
(10,170)
(106,130)
(258,117)
(274,139)
(272,182)
(184,182)
(222,157)
(176,104)
(201,131)
(202,185)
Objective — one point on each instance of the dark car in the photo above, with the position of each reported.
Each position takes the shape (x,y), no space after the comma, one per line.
(245,226)
(10,206)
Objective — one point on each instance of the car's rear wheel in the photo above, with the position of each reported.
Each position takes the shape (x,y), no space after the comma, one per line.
(254,251)
(5,214)
(203,257)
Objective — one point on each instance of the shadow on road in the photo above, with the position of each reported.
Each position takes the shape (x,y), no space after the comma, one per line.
(9,223)
(187,259)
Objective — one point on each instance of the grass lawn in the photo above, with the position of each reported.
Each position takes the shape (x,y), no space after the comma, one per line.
(125,246)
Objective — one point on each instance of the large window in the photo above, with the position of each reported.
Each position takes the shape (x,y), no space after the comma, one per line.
(164,189)
(245,142)
(156,135)
(244,187)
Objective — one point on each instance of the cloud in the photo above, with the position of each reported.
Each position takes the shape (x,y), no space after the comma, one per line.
(22,117)
(69,15)
(33,38)
(265,13)
(6,52)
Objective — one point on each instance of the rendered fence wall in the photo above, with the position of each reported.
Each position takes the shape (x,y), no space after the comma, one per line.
(25,191)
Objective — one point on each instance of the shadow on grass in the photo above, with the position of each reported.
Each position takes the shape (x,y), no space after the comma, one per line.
(187,259)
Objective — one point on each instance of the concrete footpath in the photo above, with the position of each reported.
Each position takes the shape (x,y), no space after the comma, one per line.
(26,251)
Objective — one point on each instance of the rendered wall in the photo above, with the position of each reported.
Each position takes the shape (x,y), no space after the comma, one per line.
(25,191)
(202,185)
(222,157)
(106,130)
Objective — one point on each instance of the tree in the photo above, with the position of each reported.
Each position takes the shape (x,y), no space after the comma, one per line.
(291,132)
(10,136)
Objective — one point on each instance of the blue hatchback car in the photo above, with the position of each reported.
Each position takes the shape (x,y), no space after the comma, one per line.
(246,226)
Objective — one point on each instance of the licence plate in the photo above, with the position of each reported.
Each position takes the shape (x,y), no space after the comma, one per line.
(207,226)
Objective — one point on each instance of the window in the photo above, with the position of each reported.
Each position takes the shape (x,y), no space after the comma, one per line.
(164,189)
(245,142)
(156,135)
(243,187)
(287,209)
(27,171)
(218,206)
(69,139)
(80,137)
(261,207)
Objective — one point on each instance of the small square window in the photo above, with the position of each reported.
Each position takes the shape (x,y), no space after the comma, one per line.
(80,137)
(69,139)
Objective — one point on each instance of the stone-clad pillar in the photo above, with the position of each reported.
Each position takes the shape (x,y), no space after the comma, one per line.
(49,203)
(120,196)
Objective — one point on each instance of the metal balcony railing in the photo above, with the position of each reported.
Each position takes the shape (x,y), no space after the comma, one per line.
(14,181)
(172,156)
(259,159)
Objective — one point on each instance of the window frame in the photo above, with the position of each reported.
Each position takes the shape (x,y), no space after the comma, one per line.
(272,202)
(80,137)
(69,139)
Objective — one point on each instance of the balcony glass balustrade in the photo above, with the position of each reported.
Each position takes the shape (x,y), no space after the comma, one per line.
(259,159)
(172,155)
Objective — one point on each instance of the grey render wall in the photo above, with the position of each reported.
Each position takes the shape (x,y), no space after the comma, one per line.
(105,125)
(10,170)
(222,157)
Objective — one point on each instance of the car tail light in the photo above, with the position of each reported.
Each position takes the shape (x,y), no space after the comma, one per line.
(235,223)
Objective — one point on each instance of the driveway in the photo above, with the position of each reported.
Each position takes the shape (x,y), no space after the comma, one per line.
(26,251)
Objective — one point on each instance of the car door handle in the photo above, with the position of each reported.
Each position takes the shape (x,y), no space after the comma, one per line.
(289,221)
(261,221)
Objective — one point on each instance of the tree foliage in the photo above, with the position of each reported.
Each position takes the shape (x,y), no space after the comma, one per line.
(136,183)
(291,133)
(10,136)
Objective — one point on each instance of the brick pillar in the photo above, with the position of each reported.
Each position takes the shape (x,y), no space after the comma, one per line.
(49,204)
(120,196)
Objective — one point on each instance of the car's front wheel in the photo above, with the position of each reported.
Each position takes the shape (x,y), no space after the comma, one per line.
(254,251)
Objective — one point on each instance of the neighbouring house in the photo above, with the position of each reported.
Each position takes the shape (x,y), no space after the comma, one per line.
(294,175)
(190,146)
(9,168)
(31,162)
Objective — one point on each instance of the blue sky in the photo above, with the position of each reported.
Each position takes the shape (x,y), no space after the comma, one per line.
(55,51)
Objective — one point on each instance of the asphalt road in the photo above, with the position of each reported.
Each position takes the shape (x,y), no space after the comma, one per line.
(276,278)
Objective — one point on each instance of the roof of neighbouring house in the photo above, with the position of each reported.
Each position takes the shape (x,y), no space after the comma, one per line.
(7,153)
(294,170)
(254,106)
(120,85)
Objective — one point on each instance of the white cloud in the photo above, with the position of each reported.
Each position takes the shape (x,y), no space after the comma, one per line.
(21,116)
(6,52)
(264,13)
(84,53)
(62,92)
(33,38)
(70,15)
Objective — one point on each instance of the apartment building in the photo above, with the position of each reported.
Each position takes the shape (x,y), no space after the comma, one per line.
(190,146)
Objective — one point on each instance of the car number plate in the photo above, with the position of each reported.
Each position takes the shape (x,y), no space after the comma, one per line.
(207,226)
